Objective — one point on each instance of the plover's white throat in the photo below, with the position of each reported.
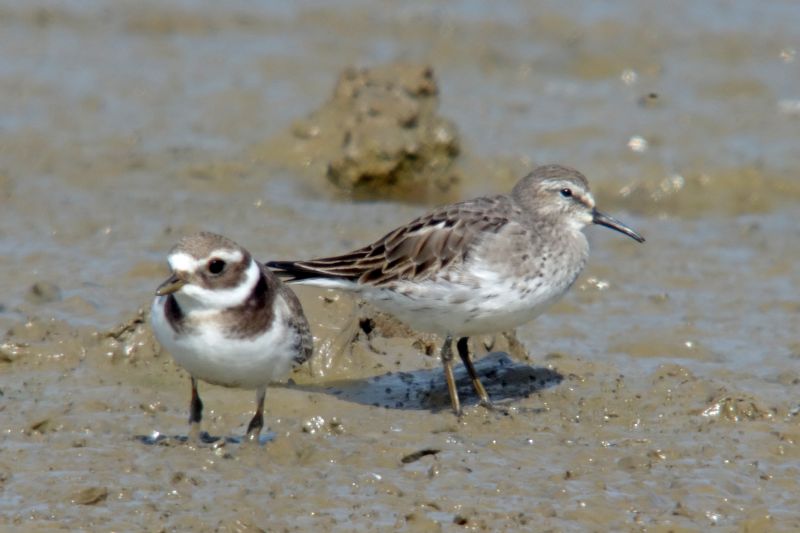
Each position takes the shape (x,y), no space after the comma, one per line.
(475,267)
(228,320)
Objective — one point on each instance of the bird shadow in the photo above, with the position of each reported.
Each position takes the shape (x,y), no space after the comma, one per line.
(426,389)
(205,440)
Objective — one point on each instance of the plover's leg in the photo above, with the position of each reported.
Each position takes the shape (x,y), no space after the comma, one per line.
(255,425)
(195,413)
(463,352)
(447,362)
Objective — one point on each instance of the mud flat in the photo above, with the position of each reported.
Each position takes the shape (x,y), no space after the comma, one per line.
(660,395)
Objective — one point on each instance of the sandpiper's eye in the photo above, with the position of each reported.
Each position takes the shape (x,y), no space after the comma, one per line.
(216,266)
(566,193)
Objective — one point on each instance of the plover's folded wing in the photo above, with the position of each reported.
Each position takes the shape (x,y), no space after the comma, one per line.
(414,251)
(296,320)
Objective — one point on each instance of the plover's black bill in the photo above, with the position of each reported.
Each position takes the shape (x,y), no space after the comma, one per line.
(613,223)
(172,284)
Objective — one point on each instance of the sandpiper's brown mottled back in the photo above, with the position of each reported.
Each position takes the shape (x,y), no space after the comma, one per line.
(229,321)
(475,267)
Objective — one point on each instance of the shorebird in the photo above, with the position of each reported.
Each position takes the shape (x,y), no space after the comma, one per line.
(228,320)
(476,267)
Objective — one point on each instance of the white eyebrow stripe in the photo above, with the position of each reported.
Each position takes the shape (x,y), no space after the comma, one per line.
(183,262)
(229,256)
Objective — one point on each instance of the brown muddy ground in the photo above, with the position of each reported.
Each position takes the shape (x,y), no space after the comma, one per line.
(660,395)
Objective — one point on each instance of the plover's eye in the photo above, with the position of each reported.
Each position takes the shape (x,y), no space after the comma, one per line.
(216,266)
(566,193)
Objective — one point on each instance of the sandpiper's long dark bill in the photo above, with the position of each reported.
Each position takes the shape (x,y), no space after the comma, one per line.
(228,320)
(613,223)
(476,267)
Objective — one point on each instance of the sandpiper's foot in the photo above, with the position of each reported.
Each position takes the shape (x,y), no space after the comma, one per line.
(493,407)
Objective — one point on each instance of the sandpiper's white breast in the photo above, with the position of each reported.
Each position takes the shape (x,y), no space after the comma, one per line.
(494,291)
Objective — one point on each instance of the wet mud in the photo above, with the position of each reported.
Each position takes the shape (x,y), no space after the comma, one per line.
(661,394)
(379,136)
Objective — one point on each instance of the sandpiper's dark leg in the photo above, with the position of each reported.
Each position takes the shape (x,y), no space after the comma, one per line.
(447,362)
(255,425)
(463,351)
(195,413)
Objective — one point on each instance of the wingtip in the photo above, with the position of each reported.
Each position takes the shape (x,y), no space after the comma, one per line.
(277,265)
(290,271)
(282,269)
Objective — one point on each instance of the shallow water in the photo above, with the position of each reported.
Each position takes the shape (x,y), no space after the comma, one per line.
(660,394)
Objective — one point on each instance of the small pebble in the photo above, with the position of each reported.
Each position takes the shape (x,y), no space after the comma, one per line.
(90,496)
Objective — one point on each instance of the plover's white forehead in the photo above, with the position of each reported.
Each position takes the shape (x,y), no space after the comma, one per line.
(184,262)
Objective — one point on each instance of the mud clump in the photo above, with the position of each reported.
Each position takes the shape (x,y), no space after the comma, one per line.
(736,409)
(43,292)
(380,135)
(131,340)
(90,496)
